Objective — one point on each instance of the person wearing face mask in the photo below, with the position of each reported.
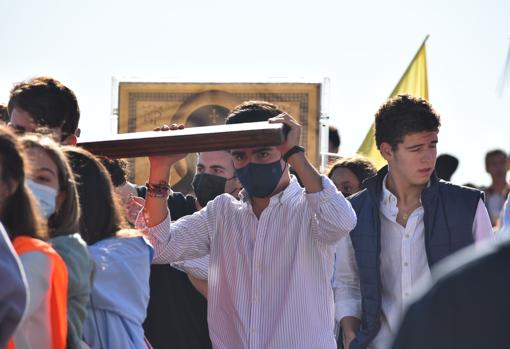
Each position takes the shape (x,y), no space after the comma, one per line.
(271,252)
(177,313)
(51,182)
(44,323)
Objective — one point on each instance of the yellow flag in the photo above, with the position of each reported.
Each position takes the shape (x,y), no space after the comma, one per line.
(413,82)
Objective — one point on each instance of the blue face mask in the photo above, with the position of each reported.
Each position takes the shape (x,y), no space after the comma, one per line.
(260,180)
(46,197)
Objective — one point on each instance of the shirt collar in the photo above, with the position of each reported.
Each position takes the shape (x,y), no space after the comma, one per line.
(389,200)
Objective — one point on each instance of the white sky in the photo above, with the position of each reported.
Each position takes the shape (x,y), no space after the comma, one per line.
(363,46)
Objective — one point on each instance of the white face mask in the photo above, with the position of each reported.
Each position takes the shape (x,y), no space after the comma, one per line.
(46,197)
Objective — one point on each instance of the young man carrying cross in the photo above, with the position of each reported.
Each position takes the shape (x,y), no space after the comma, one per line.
(271,253)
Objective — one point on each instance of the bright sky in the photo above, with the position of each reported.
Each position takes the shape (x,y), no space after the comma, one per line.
(362,46)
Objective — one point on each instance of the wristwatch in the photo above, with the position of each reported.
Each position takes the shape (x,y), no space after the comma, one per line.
(295,149)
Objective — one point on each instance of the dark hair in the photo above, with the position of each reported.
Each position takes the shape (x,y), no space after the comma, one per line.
(360,166)
(446,165)
(117,168)
(4,114)
(65,220)
(19,214)
(49,103)
(494,153)
(401,116)
(101,216)
(253,111)
(334,136)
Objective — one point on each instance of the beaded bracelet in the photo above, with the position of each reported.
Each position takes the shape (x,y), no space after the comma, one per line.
(161,190)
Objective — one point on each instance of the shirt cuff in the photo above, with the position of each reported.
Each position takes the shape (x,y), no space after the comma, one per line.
(157,234)
(346,308)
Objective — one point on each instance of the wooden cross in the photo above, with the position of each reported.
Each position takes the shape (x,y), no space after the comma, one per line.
(193,139)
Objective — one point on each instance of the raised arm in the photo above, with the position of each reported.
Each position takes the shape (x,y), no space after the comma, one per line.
(155,210)
(334,215)
(309,176)
(187,238)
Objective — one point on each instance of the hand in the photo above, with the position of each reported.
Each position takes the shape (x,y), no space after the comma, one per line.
(294,134)
(133,206)
(164,161)
(348,336)
(350,325)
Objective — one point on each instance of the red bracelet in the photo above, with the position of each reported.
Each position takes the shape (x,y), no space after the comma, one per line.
(161,190)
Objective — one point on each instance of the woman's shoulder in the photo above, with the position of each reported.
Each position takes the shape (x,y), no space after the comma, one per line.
(126,243)
(69,244)
(74,252)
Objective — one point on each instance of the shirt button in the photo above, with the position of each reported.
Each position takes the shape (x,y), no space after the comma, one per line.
(406,294)
(407,236)
(406,264)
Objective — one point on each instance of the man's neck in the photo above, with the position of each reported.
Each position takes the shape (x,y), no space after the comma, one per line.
(259,204)
(499,185)
(405,192)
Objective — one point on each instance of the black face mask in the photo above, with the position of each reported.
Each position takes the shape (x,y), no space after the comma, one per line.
(207,187)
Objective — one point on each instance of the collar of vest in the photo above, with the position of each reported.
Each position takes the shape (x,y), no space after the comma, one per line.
(374,185)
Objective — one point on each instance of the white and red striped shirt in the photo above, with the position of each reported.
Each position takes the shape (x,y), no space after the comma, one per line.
(269,278)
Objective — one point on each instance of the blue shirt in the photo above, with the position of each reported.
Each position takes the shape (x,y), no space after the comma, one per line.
(120,293)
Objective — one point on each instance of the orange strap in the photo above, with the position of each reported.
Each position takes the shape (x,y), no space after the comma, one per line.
(57,288)
(10,344)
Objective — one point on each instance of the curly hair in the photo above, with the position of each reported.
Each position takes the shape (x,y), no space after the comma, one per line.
(49,103)
(360,166)
(117,168)
(401,116)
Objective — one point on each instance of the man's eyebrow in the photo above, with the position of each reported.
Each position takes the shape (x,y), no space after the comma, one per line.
(415,146)
(236,152)
(218,167)
(260,150)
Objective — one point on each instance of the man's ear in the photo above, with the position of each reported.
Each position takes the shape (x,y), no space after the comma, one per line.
(70,140)
(386,151)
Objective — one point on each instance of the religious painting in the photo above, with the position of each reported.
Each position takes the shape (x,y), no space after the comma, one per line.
(145,105)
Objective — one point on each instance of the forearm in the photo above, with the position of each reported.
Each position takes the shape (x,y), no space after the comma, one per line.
(334,216)
(156,207)
(308,175)
(346,284)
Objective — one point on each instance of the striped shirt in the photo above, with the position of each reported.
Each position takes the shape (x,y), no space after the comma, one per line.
(269,278)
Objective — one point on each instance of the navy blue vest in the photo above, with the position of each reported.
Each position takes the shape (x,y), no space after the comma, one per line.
(449,212)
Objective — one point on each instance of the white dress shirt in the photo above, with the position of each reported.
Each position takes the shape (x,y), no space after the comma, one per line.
(403,265)
(269,278)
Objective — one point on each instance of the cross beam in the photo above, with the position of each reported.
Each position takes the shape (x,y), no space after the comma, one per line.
(188,140)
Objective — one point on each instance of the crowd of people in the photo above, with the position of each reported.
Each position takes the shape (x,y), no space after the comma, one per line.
(266,253)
